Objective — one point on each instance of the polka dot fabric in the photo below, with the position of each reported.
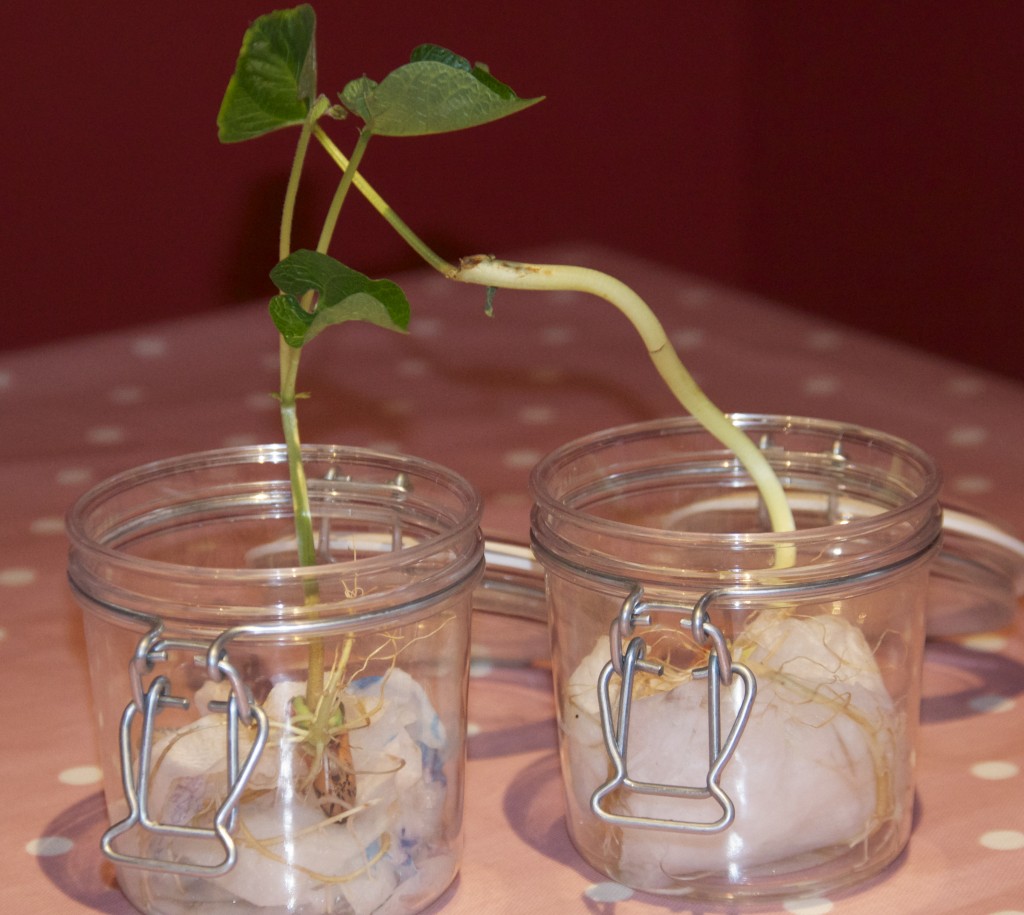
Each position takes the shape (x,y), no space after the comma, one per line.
(488,397)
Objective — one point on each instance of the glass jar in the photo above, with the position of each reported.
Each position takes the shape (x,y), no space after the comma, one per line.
(737,708)
(275,737)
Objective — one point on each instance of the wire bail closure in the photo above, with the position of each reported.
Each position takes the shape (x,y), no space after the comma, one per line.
(149,702)
(625,663)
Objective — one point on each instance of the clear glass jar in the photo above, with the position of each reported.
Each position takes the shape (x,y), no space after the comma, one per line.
(200,625)
(737,708)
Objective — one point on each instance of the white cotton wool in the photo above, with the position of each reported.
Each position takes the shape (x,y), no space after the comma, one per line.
(381,859)
(398,759)
(286,876)
(812,769)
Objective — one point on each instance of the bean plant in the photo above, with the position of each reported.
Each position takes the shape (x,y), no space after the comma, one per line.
(274,86)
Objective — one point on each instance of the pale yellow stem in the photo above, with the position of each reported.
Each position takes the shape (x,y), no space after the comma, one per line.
(488,271)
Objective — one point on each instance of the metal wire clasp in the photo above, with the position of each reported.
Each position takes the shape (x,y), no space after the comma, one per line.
(135,776)
(625,663)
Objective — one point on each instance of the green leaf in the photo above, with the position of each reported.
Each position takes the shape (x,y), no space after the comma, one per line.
(355,95)
(290,318)
(342,294)
(443,55)
(274,83)
(483,75)
(436,92)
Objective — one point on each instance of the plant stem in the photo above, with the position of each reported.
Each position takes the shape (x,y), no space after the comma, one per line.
(284,242)
(300,489)
(289,358)
(288,395)
(488,271)
(301,509)
(348,174)
(378,203)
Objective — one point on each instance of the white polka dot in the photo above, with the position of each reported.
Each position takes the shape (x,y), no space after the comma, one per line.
(557,336)
(472,729)
(73,476)
(105,435)
(3,634)
(992,704)
(985,641)
(434,284)
(995,770)
(126,395)
(1003,840)
(148,347)
(824,340)
(412,368)
(815,906)
(271,362)
(426,327)
(564,296)
(972,485)
(523,459)
(45,526)
(695,297)
(608,892)
(15,577)
(966,436)
(80,775)
(478,668)
(688,338)
(387,445)
(261,401)
(398,407)
(965,385)
(6,379)
(48,846)
(537,415)
(821,385)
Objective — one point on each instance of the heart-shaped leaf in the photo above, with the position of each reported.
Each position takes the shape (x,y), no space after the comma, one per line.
(355,97)
(436,92)
(274,83)
(342,294)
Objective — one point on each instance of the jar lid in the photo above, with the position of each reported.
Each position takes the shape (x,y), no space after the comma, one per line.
(974,586)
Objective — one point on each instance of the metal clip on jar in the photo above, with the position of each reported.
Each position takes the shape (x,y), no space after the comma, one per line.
(225,787)
(730,728)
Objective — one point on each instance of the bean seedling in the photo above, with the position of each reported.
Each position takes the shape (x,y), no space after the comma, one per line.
(274,86)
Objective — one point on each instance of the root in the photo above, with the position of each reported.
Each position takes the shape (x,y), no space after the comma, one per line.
(263,848)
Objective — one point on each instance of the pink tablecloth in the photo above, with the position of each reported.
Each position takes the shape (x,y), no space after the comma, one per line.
(488,397)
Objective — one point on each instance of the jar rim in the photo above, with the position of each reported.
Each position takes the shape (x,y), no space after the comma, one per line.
(547,500)
(464,520)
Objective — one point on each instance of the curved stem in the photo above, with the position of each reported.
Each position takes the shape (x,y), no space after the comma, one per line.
(331,220)
(488,271)
(378,203)
(284,243)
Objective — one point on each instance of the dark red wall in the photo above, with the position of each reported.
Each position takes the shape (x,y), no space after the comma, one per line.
(859,159)
(885,166)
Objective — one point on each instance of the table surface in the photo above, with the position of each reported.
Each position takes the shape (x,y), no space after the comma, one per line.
(488,397)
